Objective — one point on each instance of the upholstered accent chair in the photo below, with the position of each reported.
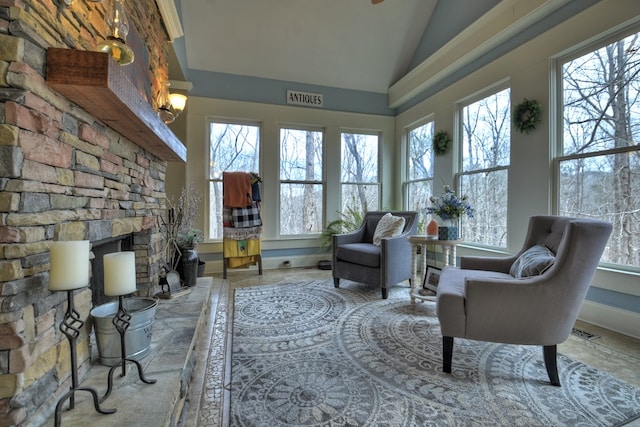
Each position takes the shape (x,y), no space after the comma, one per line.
(531,298)
(356,257)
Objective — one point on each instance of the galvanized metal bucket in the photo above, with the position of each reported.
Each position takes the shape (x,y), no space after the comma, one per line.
(137,339)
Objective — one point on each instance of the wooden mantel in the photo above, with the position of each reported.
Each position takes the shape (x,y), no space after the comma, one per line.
(96,82)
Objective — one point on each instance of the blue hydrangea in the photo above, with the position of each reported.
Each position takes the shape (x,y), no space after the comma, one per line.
(448,206)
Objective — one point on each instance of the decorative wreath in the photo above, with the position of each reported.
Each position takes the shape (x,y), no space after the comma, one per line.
(526,115)
(441,143)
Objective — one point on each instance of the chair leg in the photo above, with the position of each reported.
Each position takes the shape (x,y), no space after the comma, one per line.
(385,293)
(550,362)
(447,354)
(336,282)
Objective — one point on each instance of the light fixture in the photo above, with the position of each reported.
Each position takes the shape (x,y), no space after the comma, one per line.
(171,104)
(115,44)
(178,101)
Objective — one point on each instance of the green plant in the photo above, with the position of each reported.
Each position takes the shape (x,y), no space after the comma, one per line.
(526,115)
(348,221)
(441,143)
(190,238)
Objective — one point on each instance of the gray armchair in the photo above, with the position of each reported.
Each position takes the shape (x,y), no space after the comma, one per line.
(482,300)
(356,258)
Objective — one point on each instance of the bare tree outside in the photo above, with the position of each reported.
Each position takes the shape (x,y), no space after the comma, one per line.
(420,163)
(301,181)
(233,147)
(359,173)
(599,160)
(486,150)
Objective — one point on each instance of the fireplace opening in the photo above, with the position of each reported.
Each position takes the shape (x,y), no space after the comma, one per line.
(100,248)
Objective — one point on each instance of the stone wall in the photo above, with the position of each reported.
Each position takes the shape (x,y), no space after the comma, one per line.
(64,175)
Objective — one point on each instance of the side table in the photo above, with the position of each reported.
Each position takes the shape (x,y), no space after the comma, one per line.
(425,243)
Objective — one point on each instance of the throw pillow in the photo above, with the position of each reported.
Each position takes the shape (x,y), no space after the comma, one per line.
(534,261)
(388,226)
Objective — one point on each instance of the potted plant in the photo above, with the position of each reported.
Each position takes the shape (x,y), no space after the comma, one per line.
(181,236)
(348,221)
(190,239)
(449,207)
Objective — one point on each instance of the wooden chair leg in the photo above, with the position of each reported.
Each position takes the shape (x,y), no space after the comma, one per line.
(551,363)
(336,282)
(447,354)
(385,293)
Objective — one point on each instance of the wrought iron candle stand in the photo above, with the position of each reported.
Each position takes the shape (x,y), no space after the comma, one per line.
(121,321)
(70,327)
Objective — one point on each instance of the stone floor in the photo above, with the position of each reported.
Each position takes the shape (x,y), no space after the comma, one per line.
(178,323)
(207,401)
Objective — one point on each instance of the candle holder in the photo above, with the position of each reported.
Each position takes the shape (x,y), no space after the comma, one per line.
(70,327)
(122,321)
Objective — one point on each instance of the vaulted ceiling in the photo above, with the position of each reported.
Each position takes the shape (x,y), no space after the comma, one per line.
(398,49)
(351,44)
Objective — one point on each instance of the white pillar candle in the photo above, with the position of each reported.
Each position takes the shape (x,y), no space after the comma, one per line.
(69,265)
(119,273)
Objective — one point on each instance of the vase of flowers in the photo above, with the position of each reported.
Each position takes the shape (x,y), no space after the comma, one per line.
(449,207)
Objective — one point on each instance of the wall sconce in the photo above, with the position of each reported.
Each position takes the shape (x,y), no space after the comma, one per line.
(115,44)
(171,105)
(178,101)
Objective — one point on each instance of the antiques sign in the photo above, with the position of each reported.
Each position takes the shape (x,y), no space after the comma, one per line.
(304,98)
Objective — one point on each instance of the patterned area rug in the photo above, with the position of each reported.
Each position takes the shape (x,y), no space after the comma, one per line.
(308,354)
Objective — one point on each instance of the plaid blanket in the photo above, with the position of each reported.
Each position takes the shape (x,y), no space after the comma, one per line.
(246,217)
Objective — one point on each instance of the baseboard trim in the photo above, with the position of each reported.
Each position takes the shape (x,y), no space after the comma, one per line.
(270,263)
(614,319)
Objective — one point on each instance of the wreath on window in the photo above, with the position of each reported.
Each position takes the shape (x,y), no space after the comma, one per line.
(441,143)
(526,115)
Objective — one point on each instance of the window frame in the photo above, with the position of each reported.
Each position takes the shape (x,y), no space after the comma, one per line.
(408,181)
(557,63)
(322,181)
(210,120)
(378,182)
(459,172)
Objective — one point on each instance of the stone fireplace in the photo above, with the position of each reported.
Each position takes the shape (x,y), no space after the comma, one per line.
(66,173)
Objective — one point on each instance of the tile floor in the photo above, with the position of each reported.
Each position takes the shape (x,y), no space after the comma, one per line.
(617,354)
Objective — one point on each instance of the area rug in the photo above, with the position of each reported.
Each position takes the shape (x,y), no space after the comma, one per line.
(308,354)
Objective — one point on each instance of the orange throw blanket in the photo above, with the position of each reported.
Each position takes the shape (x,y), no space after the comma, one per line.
(236,189)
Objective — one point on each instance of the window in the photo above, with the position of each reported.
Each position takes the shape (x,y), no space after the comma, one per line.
(598,162)
(486,130)
(233,147)
(301,185)
(420,159)
(359,176)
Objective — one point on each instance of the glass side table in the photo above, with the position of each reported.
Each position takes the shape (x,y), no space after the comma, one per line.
(419,261)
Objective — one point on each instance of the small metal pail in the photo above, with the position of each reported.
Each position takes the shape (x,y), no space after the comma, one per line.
(137,339)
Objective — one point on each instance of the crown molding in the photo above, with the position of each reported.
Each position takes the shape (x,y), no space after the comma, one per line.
(181,85)
(170,18)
